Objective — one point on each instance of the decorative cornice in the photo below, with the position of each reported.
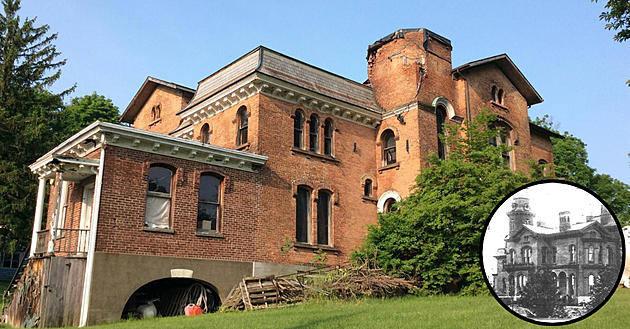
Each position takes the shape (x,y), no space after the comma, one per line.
(131,138)
(269,86)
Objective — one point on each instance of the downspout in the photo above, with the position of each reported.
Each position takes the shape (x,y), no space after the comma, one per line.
(89,266)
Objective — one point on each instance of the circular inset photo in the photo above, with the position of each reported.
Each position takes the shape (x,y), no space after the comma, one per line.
(552,252)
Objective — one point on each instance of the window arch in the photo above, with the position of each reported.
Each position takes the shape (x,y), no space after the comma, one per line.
(303,214)
(389,203)
(329,130)
(367,188)
(158,203)
(209,203)
(388,142)
(313,140)
(298,129)
(440,118)
(205,133)
(242,126)
(324,211)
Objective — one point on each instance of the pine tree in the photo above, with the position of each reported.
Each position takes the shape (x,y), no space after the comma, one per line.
(28,66)
(540,295)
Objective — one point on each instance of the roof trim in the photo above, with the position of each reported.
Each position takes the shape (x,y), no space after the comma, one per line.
(511,71)
(543,131)
(141,96)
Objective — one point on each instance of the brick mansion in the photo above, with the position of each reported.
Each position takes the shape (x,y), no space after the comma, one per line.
(207,184)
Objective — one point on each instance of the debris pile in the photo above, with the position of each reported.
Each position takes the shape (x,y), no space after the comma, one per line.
(343,282)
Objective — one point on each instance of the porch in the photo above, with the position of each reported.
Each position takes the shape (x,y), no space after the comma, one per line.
(66,242)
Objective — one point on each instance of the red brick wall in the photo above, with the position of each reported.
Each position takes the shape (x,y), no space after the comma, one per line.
(170,101)
(122,210)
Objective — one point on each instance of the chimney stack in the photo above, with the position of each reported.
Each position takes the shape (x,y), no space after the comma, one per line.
(565,221)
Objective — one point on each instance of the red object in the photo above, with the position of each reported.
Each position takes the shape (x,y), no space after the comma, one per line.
(192,310)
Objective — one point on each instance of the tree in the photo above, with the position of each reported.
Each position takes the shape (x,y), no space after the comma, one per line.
(540,295)
(28,65)
(434,234)
(605,281)
(84,110)
(571,162)
(617,17)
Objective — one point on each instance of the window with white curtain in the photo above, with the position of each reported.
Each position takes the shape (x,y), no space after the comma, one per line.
(158,207)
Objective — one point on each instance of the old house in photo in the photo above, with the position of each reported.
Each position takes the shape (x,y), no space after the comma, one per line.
(208,184)
(575,252)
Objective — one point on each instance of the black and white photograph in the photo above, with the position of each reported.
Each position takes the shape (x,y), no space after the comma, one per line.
(553,253)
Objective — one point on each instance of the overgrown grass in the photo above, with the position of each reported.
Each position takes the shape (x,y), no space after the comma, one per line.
(3,287)
(405,312)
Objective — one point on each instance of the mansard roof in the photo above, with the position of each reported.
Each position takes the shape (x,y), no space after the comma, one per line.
(145,92)
(511,71)
(287,69)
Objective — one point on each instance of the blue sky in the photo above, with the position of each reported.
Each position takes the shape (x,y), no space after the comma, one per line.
(561,46)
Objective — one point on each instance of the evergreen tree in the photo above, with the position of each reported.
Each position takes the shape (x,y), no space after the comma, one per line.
(541,296)
(28,66)
(434,234)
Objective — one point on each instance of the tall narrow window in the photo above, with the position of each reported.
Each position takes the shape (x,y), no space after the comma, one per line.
(512,256)
(367,187)
(298,129)
(610,255)
(158,206)
(302,214)
(323,216)
(503,138)
(328,137)
(494,93)
(209,205)
(313,141)
(205,133)
(554,251)
(156,112)
(388,142)
(543,252)
(242,126)
(440,117)
(500,96)
(526,254)
(572,253)
(591,254)
(591,283)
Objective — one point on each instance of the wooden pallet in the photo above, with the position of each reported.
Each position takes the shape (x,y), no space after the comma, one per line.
(253,293)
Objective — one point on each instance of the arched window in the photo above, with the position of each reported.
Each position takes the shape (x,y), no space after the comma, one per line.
(554,251)
(542,161)
(242,126)
(512,256)
(591,254)
(494,93)
(156,112)
(387,206)
(440,118)
(323,216)
(298,129)
(600,257)
(609,253)
(591,283)
(205,133)
(571,284)
(302,214)
(526,254)
(500,96)
(572,253)
(367,187)
(158,205)
(313,129)
(328,137)
(543,252)
(388,142)
(504,137)
(209,204)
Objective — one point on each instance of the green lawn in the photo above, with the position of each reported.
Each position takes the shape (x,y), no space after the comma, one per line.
(407,312)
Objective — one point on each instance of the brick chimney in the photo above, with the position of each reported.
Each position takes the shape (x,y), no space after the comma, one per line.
(565,221)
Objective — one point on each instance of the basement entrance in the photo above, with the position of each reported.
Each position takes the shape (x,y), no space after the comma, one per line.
(169,297)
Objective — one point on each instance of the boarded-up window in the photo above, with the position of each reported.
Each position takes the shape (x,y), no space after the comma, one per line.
(323,216)
(302,213)
(158,207)
(209,206)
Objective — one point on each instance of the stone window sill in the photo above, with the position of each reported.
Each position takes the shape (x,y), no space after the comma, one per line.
(308,154)
(154,122)
(390,166)
(213,234)
(158,230)
(243,147)
(500,106)
(315,247)
(370,199)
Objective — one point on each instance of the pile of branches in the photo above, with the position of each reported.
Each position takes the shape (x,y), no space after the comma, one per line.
(360,281)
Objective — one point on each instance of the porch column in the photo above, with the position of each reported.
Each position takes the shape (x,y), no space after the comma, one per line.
(39,209)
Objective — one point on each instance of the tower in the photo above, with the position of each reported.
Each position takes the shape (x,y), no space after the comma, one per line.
(520,214)
(565,220)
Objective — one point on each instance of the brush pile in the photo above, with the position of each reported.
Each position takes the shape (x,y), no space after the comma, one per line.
(340,282)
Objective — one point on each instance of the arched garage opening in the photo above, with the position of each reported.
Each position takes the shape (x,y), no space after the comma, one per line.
(169,297)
